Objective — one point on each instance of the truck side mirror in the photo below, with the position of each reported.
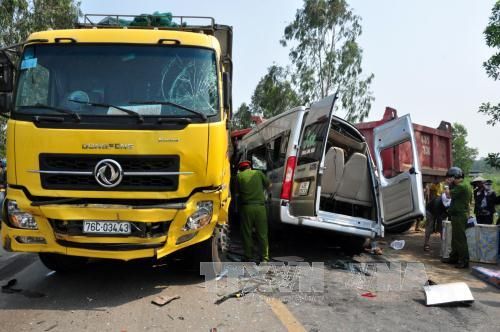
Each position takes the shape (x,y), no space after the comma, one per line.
(6,74)
(226,85)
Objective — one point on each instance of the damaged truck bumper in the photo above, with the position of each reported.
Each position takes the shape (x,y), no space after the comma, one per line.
(155,231)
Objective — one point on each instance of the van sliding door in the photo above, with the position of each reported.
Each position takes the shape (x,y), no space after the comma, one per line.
(402,195)
(310,158)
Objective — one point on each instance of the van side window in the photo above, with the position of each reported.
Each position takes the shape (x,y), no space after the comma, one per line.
(311,146)
(283,149)
(258,156)
(275,153)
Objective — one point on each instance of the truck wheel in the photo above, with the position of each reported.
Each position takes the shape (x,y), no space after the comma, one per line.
(214,250)
(63,263)
(400,229)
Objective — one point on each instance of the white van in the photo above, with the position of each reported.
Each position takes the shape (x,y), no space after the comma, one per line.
(323,175)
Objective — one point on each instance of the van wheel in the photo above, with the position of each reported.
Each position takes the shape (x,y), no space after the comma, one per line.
(63,263)
(353,245)
(400,229)
(214,251)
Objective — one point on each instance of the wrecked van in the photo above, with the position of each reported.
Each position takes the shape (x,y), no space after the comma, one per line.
(324,176)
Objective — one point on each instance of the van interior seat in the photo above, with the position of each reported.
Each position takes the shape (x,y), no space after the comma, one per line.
(334,168)
(355,185)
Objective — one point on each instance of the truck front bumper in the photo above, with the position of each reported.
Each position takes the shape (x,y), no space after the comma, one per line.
(53,234)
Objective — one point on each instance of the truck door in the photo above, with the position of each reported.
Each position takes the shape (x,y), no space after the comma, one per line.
(310,158)
(402,195)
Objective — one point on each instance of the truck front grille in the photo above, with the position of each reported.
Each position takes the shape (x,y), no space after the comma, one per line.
(56,172)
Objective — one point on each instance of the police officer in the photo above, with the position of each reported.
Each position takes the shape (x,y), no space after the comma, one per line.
(459,209)
(251,187)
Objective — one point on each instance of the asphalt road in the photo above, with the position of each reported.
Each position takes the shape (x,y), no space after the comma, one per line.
(116,296)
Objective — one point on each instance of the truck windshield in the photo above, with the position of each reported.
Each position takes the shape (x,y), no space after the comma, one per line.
(166,81)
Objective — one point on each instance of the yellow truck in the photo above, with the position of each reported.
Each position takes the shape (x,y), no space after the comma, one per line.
(117,141)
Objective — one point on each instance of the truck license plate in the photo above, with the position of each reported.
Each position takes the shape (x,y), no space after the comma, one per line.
(304,188)
(106,227)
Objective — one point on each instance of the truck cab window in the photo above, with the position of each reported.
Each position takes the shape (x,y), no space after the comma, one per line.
(34,89)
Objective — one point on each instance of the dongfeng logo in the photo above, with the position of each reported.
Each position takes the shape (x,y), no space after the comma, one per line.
(108,173)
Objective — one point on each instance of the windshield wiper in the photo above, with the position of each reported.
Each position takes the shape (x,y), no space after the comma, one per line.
(53,108)
(169,103)
(139,116)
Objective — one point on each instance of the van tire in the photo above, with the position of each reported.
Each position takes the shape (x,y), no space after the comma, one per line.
(63,263)
(400,229)
(353,245)
(213,250)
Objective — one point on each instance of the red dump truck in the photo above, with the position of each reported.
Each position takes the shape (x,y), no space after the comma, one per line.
(433,145)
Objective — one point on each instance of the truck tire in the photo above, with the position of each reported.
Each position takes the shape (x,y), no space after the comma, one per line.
(63,263)
(400,229)
(214,251)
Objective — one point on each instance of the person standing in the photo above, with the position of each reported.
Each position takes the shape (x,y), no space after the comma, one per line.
(434,215)
(484,208)
(251,185)
(459,209)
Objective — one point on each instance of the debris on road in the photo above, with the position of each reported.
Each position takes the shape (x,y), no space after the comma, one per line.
(7,288)
(163,299)
(430,283)
(288,259)
(239,293)
(368,295)
(51,328)
(457,292)
(374,251)
(397,244)
(489,276)
(349,265)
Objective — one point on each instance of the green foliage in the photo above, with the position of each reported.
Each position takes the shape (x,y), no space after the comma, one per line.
(19,18)
(493,160)
(327,57)
(493,111)
(274,93)
(463,155)
(242,118)
(492,65)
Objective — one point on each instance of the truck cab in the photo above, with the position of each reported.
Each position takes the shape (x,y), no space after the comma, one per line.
(117,140)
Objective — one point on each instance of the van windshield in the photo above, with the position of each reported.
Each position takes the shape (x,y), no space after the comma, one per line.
(89,79)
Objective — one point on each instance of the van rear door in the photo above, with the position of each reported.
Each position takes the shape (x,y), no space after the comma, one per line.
(310,158)
(402,195)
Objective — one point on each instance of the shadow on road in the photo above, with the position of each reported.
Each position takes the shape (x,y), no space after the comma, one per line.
(105,284)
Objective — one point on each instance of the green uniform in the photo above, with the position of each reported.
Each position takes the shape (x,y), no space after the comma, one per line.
(458,211)
(251,187)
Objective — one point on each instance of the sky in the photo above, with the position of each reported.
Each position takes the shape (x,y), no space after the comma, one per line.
(426,55)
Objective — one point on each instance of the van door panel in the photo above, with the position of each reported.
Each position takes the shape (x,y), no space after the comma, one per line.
(396,200)
(402,195)
(310,158)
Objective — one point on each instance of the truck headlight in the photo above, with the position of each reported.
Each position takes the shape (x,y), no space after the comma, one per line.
(19,218)
(201,217)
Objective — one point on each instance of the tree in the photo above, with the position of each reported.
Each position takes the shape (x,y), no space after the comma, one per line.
(327,57)
(243,117)
(19,18)
(463,155)
(492,65)
(493,160)
(274,93)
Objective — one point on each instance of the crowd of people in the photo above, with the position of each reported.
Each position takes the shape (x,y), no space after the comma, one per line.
(451,200)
